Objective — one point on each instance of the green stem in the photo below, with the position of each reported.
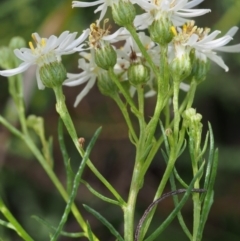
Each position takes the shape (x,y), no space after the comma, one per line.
(136,182)
(191,93)
(69,173)
(16,91)
(63,112)
(17,227)
(143,50)
(123,108)
(162,94)
(196,204)
(140,91)
(123,91)
(129,209)
(165,178)
(176,109)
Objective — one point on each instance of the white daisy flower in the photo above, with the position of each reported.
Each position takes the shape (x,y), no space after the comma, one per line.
(178,11)
(205,44)
(46,51)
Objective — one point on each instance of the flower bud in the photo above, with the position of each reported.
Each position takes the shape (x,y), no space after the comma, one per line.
(123,12)
(52,74)
(105,56)
(106,85)
(192,119)
(181,67)
(160,31)
(200,68)
(17,43)
(138,74)
(6,58)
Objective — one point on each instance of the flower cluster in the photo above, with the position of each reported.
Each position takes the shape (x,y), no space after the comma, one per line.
(169,24)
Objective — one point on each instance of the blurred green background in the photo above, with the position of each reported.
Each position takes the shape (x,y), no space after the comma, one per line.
(27,190)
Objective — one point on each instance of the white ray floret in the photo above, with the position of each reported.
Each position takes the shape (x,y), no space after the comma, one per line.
(208,45)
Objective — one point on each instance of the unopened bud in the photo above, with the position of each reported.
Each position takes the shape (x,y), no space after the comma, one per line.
(53,74)
(123,12)
(200,68)
(105,56)
(138,74)
(160,31)
(181,67)
(17,43)
(106,85)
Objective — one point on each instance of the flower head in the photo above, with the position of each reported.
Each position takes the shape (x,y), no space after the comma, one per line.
(47,51)
(178,11)
(204,44)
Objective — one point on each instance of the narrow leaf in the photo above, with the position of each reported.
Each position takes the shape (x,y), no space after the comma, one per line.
(75,185)
(104,222)
(52,228)
(90,234)
(173,214)
(100,196)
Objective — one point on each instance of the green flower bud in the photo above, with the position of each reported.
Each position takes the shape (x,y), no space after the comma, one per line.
(192,120)
(200,68)
(160,31)
(7,58)
(53,74)
(138,74)
(181,67)
(123,12)
(17,43)
(105,56)
(106,85)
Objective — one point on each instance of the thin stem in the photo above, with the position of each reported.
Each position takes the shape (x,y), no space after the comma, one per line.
(65,156)
(63,112)
(176,110)
(17,227)
(127,118)
(165,178)
(191,92)
(129,210)
(123,91)
(143,50)
(136,181)
(196,202)
(162,94)
(140,91)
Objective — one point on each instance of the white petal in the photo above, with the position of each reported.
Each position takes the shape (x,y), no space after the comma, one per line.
(184,87)
(86,4)
(218,60)
(192,12)
(39,81)
(26,56)
(21,68)
(230,49)
(150,93)
(232,31)
(193,3)
(85,91)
